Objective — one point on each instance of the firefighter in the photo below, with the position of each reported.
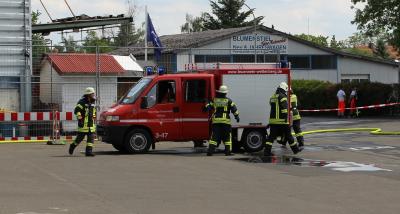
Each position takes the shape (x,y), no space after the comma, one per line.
(296,122)
(221,122)
(278,120)
(85,113)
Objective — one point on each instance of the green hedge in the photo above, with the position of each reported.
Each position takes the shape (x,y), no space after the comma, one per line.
(315,94)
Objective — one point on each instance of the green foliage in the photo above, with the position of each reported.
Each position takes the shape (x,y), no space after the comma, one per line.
(70,45)
(315,94)
(39,45)
(319,40)
(358,51)
(128,34)
(334,44)
(358,39)
(378,16)
(381,49)
(227,14)
(92,40)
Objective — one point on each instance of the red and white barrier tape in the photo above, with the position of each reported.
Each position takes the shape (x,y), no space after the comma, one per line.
(33,138)
(361,107)
(36,116)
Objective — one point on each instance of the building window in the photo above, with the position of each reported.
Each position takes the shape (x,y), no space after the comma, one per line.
(299,62)
(355,78)
(243,58)
(199,59)
(323,62)
(217,58)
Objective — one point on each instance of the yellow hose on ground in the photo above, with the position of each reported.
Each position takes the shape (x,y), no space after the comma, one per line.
(23,141)
(374,131)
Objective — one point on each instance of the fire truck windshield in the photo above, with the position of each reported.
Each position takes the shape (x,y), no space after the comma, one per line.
(135,91)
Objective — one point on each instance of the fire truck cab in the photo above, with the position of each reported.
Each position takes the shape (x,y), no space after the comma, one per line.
(170,107)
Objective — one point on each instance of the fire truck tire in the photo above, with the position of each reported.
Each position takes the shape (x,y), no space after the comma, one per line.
(253,140)
(138,141)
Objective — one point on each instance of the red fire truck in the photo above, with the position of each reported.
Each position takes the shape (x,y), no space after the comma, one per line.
(169,107)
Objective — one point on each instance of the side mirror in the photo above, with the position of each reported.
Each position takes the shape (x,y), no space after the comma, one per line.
(144,103)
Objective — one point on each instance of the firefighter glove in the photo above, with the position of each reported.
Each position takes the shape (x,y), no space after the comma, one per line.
(237,118)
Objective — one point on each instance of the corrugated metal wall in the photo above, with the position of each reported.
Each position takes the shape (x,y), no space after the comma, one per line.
(15,49)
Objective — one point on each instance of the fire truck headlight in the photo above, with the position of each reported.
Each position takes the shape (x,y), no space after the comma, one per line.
(112,118)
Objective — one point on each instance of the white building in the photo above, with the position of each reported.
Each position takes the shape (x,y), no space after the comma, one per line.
(308,60)
(64,77)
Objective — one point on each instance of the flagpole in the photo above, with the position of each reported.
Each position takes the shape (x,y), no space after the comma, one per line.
(145,33)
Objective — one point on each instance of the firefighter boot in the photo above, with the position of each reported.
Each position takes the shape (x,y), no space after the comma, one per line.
(295,148)
(89,151)
(228,151)
(211,150)
(72,147)
(300,140)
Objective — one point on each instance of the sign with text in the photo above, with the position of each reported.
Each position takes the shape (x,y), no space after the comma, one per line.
(265,44)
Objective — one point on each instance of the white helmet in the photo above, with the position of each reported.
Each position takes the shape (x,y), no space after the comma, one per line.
(89,90)
(223,89)
(283,86)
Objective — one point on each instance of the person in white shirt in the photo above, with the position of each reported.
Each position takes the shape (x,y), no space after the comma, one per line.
(341,95)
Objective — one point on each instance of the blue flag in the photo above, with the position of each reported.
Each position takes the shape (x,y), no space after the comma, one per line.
(152,36)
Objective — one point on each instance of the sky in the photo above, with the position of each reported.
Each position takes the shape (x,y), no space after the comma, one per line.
(318,17)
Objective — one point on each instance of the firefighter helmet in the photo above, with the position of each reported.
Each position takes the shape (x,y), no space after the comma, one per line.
(223,89)
(89,90)
(283,86)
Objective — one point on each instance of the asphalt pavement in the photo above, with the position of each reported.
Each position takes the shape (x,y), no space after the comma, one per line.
(352,172)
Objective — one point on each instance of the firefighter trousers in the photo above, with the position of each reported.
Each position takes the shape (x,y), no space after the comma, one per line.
(298,133)
(280,130)
(81,135)
(221,133)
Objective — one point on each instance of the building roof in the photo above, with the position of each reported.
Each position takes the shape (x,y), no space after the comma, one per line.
(79,63)
(173,43)
(128,63)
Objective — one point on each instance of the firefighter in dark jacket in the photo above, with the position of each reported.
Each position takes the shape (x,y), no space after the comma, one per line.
(279,121)
(85,113)
(296,121)
(221,121)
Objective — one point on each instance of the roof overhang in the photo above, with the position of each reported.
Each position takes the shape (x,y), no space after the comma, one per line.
(70,25)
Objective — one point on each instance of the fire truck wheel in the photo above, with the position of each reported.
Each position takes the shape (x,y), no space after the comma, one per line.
(138,141)
(253,140)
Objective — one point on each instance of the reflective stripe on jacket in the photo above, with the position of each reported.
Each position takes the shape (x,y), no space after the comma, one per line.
(222,108)
(279,112)
(293,105)
(87,112)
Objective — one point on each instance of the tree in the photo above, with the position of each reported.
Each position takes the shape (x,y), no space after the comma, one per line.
(128,34)
(193,24)
(39,45)
(227,15)
(319,40)
(378,16)
(334,44)
(92,40)
(70,45)
(380,50)
(359,51)
(358,39)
